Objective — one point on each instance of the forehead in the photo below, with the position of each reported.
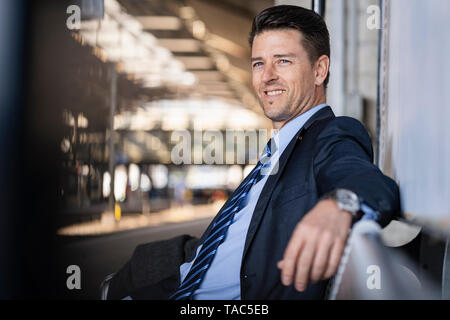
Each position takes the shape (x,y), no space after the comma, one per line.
(275,40)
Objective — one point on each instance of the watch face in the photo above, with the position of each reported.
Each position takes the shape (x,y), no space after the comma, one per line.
(348,200)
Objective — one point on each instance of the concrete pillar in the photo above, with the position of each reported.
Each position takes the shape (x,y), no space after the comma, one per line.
(335,19)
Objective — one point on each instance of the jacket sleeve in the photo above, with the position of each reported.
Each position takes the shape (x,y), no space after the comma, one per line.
(151,264)
(343,158)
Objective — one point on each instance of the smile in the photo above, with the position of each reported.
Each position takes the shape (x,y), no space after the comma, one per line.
(274,92)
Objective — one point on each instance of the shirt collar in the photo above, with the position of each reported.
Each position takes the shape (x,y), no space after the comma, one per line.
(283,136)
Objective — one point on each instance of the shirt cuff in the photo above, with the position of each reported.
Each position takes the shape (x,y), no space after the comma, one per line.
(368,212)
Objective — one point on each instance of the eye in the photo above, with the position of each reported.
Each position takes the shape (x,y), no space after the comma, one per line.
(284,61)
(257,64)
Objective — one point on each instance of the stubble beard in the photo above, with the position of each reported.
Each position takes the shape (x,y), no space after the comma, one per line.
(276,114)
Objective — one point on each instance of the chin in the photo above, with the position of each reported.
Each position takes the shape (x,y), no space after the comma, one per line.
(275,116)
(273,113)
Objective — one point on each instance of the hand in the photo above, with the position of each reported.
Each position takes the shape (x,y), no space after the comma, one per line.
(316,245)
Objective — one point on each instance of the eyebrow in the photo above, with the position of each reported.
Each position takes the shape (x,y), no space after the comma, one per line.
(287,55)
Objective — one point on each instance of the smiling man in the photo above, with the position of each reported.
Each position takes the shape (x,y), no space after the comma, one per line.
(290,68)
(281,234)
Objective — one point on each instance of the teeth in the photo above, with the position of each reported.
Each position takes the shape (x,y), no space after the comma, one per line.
(274,93)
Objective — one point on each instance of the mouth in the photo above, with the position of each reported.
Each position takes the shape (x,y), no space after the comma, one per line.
(274,92)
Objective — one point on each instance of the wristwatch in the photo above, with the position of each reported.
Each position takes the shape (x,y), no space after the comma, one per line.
(346,200)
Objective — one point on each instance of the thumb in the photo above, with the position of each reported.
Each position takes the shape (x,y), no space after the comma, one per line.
(280,264)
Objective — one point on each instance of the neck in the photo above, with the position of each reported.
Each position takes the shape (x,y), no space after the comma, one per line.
(318,99)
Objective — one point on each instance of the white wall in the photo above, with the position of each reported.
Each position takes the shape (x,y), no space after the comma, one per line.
(415,139)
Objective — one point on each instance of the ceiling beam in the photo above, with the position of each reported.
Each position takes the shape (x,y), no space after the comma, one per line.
(196,62)
(160,22)
(181,45)
(208,75)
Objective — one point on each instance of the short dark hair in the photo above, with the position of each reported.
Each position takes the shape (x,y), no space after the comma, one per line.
(316,39)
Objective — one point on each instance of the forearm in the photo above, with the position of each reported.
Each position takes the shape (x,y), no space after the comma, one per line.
(343,159)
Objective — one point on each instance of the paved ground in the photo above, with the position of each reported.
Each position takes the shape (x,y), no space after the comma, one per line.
(108,225)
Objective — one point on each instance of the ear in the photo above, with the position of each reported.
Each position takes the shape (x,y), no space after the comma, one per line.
(321,69)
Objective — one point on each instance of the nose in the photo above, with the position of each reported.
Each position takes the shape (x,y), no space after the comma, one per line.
(269,74)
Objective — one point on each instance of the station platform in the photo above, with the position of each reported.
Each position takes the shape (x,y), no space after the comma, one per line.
(107,224)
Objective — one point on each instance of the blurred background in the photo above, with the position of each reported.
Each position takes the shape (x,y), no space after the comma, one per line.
(97,96)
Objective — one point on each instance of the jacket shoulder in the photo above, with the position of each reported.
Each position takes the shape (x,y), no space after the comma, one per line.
(346,124)
(345,129)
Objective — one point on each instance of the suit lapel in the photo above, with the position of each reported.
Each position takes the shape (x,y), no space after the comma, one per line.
(271,182)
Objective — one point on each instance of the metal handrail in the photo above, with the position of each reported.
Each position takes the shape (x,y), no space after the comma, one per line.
(369,270)
(104,286)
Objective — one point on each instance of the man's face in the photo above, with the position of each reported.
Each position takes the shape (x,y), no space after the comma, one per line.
(283,77)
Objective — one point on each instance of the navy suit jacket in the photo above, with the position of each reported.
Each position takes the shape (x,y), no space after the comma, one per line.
(327,153)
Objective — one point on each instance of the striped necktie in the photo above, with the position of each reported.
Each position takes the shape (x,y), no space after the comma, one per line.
(218,232)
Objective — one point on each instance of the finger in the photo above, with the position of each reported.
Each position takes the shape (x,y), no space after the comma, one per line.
(335,258)
(304,265)
(320,263)
(290,257)
(280,264)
